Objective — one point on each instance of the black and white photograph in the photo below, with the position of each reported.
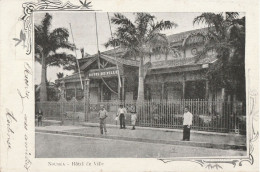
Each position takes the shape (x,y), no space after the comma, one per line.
(126,86)
(140,84)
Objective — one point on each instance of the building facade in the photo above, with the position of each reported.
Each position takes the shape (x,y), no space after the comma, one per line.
(181,75)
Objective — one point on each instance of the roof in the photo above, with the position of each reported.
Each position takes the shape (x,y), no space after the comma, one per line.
(112,54)
(73,77)
(174,38)
(182,35)
(120,60)
(178,62)
(86,62)
(118,52)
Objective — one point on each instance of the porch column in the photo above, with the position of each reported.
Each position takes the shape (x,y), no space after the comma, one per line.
(99,91)
(62,94)
(102,91)
(123,88)
(62,100)
(183,87)
(223,94)
(162,93)
(86,98)
(119,91)
(75,90)
(207,90)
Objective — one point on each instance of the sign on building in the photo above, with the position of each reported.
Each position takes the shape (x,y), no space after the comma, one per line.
(103,73)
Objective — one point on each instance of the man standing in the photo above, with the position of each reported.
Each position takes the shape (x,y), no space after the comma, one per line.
(187,122)
(121,113)
(39,116)
(102,118)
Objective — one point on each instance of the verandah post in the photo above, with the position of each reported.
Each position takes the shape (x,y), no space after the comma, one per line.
(86,99)
(62,99)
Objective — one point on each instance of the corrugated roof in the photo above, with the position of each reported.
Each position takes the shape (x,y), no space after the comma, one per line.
(183,62)
(181,36)
(174,38)
(74,76)
(120,60)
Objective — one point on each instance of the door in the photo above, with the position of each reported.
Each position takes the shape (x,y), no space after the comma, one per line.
(195,89)
(174,91)
(93,94)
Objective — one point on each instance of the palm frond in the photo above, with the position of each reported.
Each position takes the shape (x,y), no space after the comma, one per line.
(142,37)
(46,23)
(60,59)
(210,19)
(58,38)
(142,20)
(61,33)
(230,16)
(120,19)
(161,25)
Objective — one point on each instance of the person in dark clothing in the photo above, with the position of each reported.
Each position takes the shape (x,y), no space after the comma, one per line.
(122,116)
(39,117)
(187,122)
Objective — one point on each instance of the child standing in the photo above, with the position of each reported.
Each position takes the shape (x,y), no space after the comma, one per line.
(39,116)
(133,119)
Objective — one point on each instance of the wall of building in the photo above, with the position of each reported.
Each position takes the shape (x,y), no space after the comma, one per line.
(189,53)
(172,86)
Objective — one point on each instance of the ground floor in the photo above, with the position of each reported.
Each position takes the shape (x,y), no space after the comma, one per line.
(165,86)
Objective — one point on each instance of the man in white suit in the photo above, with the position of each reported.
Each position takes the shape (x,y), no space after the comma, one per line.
(187,122)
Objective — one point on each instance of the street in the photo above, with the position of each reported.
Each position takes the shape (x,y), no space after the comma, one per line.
(67,146)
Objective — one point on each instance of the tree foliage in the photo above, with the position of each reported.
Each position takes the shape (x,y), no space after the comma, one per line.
(48,50)
(225,36)
(47,44)
(140,39)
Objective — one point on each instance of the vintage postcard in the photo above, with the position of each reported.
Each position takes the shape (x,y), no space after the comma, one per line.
(129,85)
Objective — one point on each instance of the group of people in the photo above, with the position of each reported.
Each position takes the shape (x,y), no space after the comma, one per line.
(121,116)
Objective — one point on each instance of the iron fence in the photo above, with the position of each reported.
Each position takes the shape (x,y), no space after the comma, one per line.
(217,116)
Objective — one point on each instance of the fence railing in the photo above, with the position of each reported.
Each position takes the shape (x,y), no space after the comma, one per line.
(218,116)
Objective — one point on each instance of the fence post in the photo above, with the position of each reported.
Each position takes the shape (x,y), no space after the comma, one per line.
(61,111)
(74,110)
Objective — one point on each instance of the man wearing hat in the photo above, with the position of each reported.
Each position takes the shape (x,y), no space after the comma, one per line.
(121,113)
(102,117)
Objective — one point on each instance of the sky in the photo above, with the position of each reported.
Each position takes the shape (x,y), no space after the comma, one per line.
(84,31)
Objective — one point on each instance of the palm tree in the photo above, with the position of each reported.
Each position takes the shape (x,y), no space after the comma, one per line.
(46,45)
(140,39)
(226,36)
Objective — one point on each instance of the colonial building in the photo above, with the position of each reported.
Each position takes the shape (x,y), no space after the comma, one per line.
(179,75)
